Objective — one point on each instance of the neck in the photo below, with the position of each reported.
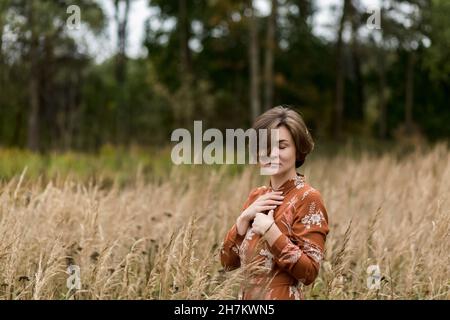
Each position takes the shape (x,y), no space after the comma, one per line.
(277,180)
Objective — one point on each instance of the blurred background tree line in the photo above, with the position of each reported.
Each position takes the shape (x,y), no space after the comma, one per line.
(223,62)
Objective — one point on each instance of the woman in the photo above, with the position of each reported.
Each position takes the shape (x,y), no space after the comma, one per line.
(288,242)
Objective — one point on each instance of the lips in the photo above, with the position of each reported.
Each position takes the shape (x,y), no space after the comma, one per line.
(273,165)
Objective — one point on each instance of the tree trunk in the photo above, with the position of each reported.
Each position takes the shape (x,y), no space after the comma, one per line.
(184,32)
(340,77)
(359,85)
(122,23)
(357,65)
(381,96)
(2,67)
(409,94)
(33,138)
(270,51)
(3,10)
(305,12)
(184,111)
(123,115)
(1,39)
(254,64)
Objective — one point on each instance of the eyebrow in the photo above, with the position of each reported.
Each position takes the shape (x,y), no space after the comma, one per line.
(283,140)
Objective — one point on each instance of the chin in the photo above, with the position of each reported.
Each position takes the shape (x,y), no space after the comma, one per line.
(281,170)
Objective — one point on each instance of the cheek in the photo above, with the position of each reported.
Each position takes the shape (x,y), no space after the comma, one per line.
(287,155)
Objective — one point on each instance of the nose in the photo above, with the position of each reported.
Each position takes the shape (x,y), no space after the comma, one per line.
(274,153)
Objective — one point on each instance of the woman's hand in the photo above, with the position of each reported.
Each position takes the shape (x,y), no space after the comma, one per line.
(263,222)
(268,201)
(265,225)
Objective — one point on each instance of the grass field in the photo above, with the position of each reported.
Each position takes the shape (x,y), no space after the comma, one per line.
(137,232)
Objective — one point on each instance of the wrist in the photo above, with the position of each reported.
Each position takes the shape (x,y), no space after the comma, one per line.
(267,230)
(241,219)
(272,234)
(241,226)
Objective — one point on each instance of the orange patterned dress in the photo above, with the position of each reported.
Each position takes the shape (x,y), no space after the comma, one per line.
(295,257)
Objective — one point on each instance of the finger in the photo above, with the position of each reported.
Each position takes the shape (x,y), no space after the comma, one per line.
(258,214)
(271,197)
(255,228)
(275,196)
(271,202)
(265,208)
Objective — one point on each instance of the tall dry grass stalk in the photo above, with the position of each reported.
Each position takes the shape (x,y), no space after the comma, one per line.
(161,240)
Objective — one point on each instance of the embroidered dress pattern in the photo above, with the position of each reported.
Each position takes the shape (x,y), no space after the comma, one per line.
(293,291)
(268,261)
(313,217)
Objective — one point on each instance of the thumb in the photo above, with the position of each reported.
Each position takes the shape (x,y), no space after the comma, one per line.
(271,213)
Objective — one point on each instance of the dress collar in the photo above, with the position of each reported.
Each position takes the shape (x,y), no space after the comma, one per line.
(297,182)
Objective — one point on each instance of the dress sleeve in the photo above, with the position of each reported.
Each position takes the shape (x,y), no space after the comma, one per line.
(301,252)
(229,252)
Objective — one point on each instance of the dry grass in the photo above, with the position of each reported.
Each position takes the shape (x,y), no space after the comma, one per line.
(160,240)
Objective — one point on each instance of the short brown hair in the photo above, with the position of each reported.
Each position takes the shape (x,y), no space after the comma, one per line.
(293,121)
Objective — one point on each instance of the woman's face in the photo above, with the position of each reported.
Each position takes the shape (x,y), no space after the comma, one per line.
(282,156)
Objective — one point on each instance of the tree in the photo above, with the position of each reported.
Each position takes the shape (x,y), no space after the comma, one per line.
(255,102)
(437,29)
(41,30)
(122,9)
(33,117)
(340,71)
(356,21)
(269,58)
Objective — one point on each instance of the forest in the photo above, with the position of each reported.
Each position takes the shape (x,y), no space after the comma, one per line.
(221,62)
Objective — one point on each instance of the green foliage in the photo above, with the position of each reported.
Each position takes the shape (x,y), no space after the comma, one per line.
(108,165)
(82,103)
(437,57)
